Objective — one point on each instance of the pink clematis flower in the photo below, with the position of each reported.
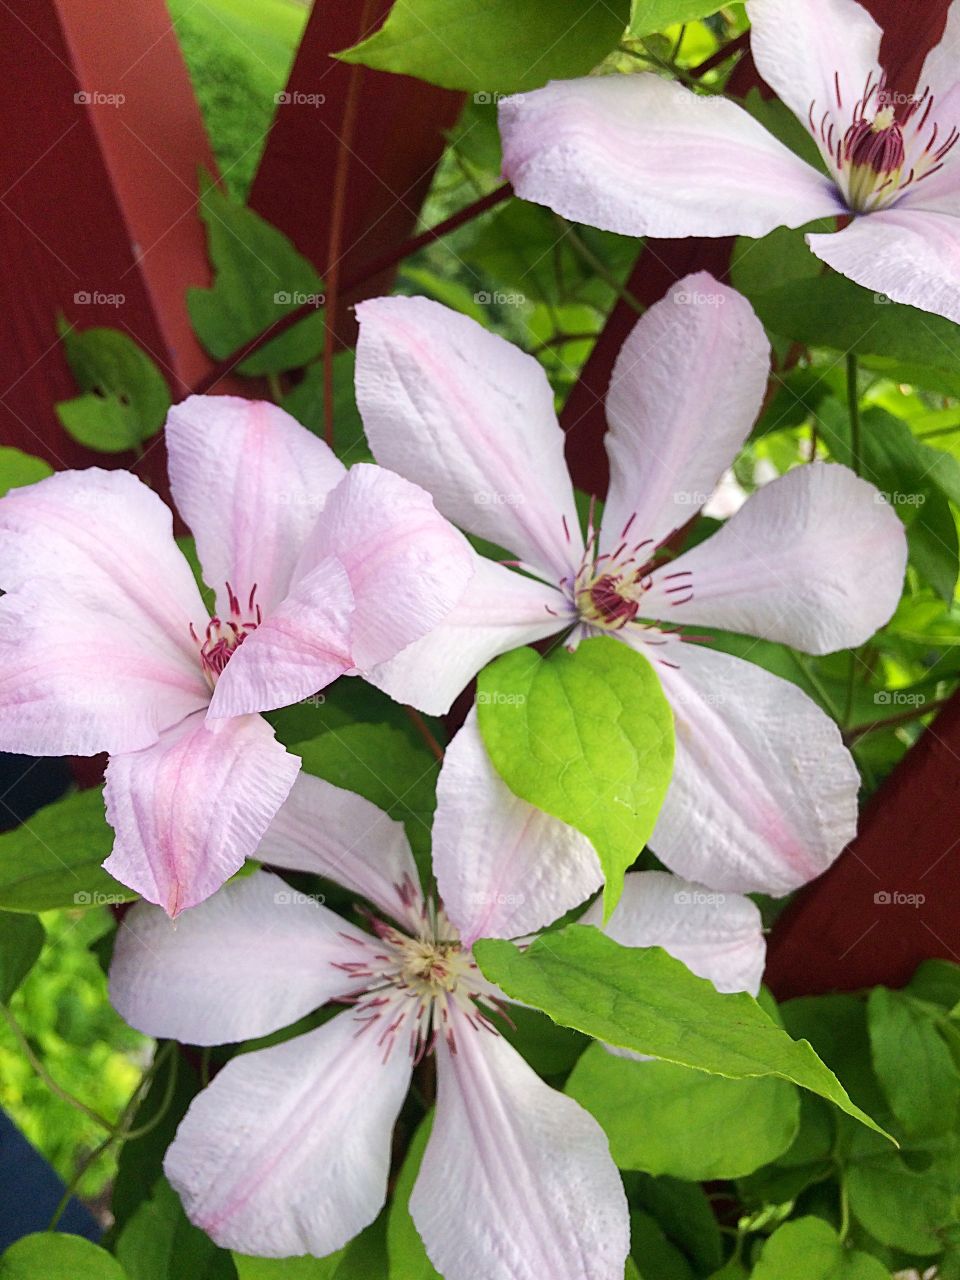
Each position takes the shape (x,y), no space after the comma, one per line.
(764,794)
(106,644)
(288,1150)
(641,155)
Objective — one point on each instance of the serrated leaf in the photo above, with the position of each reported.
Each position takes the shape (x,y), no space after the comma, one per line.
(493,46)
(810,1249)
(644,1000)
(587,737)
(55,1256)
(259,278)
(125,397)
(668,1119)
(17,468)
(21,941)
(53,859)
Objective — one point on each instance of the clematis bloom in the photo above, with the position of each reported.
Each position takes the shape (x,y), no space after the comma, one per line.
(288,1150)
(764,793)
(642,155)
(106,644)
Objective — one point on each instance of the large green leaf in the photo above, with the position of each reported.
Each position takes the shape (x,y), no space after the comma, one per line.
(21,941)
(655,1257)
(587,737)
(125,396)
(493,46)
(907,1199)
(913,1064)
(810,1249)
(664,1118)
(648,16)
(52,1256)
(259,278)
(645,1000)
(159,1243)
(17,468)
(53,859)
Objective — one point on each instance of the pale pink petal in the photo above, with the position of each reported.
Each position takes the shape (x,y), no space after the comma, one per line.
(103,543)
(905,254)
(817,55)
(252,959)
(190,809)
(343,837)
(686,390)
(288,1150)
(407,565)
(718,936)
(464,413)
(815,560)
(503,868)
(941,75)
(72,682)
(300,647)
(764,793)
(517,1179)
(250,481)
(643,156)
(500,611)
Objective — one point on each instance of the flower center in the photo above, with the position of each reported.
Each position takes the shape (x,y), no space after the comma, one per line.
(888,145)
(608,601)
(408,986)
(224,636)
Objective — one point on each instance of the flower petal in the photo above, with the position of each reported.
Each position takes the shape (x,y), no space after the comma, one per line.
(188,810)
(500,611)
(817,56)
(407,565)
(302,646)
(815,560)
(252,959)
(686,389)
(643,156)
(764,793)
(288,1150)
(343,837)
(503,868)
(517,1179)
(717,936)
(464,413)
(906,253)
(941,75)
(250,481)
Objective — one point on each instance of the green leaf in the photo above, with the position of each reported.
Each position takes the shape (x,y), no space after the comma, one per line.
(937,981)
(832,311)
(685,1214)
(381,764)
(913,1064)
(288,1268)
(649,16)
(259,278)
(655,1257)
(904,1199)
(18,468)
(53,859)
(645,1000)
(493,46)
(408,1257)
(159,1243)
(810,1249)
(21,941)
(587,737)
(55,1256)
(125,397)
(668,1119)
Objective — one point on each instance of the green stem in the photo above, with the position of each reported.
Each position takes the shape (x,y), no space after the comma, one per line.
(600,267)
(903,717)
(47,1078)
